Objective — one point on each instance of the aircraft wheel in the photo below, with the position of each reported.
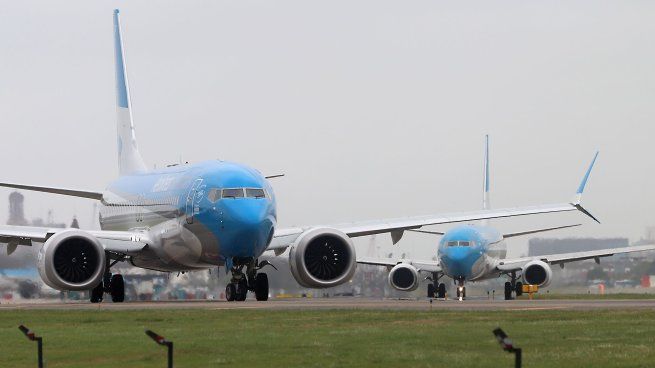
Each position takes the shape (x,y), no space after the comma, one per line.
(117,287)
(97,293)
(441,291)
(464,292)
(519,288)
(430,290)
(230,292)
(261,287)
(241,290)
(508,291)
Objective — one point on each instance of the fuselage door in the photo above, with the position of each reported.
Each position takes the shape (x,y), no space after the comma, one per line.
(193,200)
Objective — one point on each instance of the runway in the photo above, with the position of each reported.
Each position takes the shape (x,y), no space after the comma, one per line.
(349,303)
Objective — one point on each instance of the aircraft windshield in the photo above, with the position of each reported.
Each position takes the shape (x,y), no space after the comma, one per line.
(233,193)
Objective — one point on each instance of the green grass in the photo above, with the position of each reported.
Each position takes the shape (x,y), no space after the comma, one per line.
(333,338)
(617,296)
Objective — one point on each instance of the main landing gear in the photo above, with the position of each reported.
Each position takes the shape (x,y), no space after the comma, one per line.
(251,280)
(436,289)
(113,285)
(513,286)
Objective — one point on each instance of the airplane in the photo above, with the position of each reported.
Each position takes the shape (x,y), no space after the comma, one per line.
(474,252)
(199,216)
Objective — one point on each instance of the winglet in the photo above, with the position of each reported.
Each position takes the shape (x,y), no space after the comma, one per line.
(583,183)
(578,195)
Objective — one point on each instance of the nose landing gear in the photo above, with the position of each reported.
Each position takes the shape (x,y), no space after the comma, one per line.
(251,280)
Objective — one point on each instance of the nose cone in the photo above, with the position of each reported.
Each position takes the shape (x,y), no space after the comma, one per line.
(459,261)
(247,226)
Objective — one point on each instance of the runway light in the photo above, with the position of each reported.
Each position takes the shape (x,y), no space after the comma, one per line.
(508,345)
(39,342)
(161,340)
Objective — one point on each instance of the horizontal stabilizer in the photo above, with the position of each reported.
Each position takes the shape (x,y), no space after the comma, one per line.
(62,191)
(511,235)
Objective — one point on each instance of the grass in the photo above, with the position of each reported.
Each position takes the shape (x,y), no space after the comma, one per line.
(333,338)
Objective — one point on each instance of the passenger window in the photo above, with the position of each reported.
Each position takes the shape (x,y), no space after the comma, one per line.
(233,193)
(255,193)
(214,195)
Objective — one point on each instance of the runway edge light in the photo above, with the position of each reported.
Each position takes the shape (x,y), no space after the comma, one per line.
(507,345)
(39,342)
(161,340)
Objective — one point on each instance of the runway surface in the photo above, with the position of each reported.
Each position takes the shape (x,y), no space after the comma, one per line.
(348,303)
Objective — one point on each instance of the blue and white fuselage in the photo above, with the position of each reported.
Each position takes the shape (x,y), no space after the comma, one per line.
(471,252)
(200,215)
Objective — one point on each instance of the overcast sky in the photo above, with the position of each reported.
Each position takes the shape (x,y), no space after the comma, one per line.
(373,109)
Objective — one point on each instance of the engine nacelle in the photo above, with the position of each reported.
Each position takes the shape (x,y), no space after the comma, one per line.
(404,277)
(72,260)
(322,258)
(537,273)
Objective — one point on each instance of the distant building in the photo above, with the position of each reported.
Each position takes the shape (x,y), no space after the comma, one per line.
(542,246)
(16,210)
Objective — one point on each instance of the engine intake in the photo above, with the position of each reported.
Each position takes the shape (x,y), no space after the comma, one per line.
(537,273)
(404,277)
(72,260)
(322,258)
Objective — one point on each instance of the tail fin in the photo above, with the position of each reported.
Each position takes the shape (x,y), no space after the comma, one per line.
(485,185)
(129,158)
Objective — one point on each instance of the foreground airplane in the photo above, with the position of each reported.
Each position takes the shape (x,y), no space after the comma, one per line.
(199,216)
(478,252)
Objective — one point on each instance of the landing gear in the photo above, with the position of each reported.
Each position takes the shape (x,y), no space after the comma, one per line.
(251,280)
(441,291)
(97,293)
(461,292)
(110,284)
(508,290)
(513,286)
(230,292)
(435,288)
(117,288)
(261,287)
(242,290)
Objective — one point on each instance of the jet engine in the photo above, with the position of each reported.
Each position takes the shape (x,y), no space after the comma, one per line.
(537,273)
(404,277)
(72,260)
(322,258)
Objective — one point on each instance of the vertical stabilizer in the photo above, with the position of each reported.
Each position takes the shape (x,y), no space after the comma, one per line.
(485,186)
(129,158)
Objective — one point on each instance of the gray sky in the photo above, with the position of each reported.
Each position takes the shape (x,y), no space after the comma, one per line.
(372,108)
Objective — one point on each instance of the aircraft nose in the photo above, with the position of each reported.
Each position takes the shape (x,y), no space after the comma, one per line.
(459,260)
(248,224)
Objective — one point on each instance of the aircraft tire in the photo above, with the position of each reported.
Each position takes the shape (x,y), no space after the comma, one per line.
(519,288)
(508,290)
(97,293)
(230,292)
(464,292)
(431,290)
(241,290)
(117,287)
(261,287)
(441,291)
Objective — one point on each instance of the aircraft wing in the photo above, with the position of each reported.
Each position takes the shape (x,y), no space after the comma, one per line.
(426,266)
(516,264)
(285,237)
(121,242)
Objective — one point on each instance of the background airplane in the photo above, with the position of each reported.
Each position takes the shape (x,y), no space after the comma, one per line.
(475,252)
(199,216)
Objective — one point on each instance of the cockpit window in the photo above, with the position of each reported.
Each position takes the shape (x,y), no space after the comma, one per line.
(233,193)
(214,195)
(460,243)
(255,193)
